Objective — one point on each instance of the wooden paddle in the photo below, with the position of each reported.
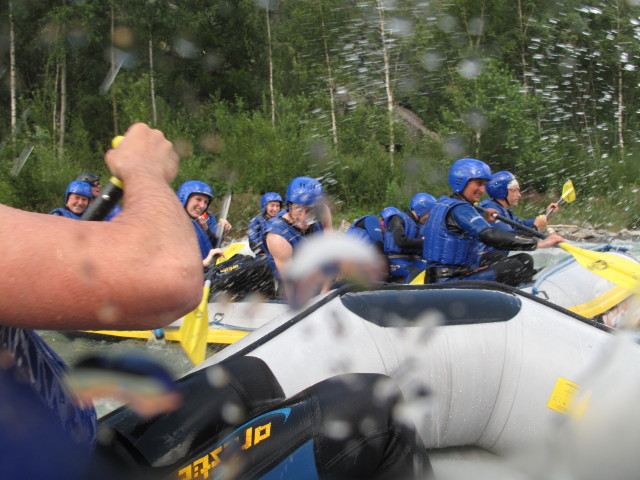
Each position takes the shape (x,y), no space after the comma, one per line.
(568,196)
(618,270)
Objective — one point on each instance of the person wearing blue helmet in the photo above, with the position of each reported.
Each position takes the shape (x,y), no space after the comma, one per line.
(94,180)
(76,200)
(370,229)
(270,206)
(403,238)
(504,192)
(284,233)
(322,214)
(195,197)
(456,234)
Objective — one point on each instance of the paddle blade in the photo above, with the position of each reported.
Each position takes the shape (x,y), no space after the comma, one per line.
(568,196)
(229,252)
(618,270)
(568,192)
(195,328)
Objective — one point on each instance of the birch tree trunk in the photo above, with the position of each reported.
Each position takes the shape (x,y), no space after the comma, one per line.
(12,70)
(387,79)
(63,104)
(152,84)
(330,80)
(112,59)
(620,86)
(271,89)
(54,103)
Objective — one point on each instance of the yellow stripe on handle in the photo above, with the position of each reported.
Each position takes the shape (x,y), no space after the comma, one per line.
(116,141)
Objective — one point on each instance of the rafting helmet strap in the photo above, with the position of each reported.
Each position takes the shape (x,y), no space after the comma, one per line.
(192,187)
(466,169)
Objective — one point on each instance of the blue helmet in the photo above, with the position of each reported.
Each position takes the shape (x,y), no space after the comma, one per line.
(191,187)
(464,170)
(304,191)
(422,203)
(270,197)
(79,188)
(500,183)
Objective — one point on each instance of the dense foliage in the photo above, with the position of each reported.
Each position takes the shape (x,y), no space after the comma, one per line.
(255,92)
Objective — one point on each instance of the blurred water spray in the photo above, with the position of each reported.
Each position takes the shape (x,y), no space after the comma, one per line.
(326,259)
(120,58)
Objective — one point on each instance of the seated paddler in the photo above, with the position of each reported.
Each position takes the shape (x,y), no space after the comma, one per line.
(403,237)
(195,197)
(456,234)
(76,200)
(305,208)
(270,205)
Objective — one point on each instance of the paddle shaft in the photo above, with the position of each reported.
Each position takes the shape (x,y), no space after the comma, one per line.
(551,211)
(109,196)
(515,224)
(223,216)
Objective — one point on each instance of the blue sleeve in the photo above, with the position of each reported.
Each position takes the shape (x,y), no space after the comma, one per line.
(469,220)
(498,225)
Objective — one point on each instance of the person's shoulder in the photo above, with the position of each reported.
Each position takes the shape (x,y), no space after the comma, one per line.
(487,202)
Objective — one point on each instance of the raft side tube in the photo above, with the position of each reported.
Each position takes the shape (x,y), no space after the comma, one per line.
(244,385)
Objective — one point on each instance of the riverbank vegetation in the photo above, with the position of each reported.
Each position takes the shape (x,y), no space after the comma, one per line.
(375,98)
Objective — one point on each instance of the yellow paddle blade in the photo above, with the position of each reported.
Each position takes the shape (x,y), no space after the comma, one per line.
(618,270)
(229,252)
(568,192)
(419,279)
(195,328)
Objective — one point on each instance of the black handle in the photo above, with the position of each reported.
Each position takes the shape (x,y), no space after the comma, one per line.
(515,224)
(109,196)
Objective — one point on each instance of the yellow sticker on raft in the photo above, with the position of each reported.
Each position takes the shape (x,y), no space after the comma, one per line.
(565,399)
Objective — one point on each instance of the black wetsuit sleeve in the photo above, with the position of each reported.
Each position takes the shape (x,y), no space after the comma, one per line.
(396,226)
(504,240)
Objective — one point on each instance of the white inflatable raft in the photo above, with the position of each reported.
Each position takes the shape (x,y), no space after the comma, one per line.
(479,365)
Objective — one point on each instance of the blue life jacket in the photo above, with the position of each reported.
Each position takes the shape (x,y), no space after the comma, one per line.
(256,232)
(442,247)
(64,212)
(291,234)
(411,230)
(115,211)
(367,228)
(203,239)
(505,212)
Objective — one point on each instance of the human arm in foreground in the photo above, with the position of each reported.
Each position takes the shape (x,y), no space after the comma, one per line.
(140,271)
